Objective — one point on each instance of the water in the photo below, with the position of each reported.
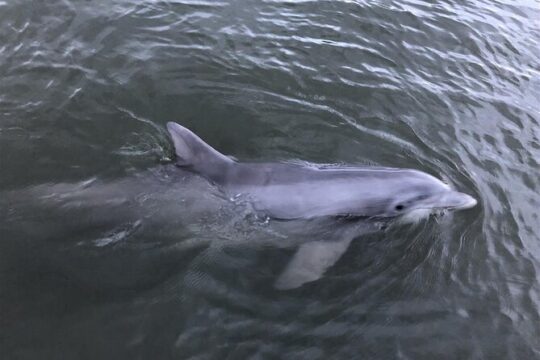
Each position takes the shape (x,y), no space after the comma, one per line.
(448,87)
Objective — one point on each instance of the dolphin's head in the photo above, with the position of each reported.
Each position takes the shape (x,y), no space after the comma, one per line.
(419,195)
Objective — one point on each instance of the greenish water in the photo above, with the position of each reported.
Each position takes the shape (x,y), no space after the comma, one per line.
(86,88)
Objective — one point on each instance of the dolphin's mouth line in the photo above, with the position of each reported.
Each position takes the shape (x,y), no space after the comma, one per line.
(441,208)
(463,202)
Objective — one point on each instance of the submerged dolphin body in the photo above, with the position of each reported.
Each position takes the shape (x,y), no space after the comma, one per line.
(296,192)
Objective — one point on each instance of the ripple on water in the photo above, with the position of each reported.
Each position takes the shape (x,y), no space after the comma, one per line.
(449,87)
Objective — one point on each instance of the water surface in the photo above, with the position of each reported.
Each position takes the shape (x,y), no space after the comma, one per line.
(447,87)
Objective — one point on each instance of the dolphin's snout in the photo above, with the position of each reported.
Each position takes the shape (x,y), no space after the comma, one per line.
(470,202)
(456,200)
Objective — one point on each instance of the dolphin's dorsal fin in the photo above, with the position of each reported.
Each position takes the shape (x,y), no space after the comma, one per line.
(310,262)
(192,151)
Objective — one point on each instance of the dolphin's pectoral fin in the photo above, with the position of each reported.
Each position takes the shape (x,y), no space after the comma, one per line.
(310,262)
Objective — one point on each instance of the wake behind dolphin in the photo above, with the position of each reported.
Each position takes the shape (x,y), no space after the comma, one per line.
(295,192)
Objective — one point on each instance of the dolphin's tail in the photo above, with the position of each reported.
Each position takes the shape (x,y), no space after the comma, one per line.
(194,153)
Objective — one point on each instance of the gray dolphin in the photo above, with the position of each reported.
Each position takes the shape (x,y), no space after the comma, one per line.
(288,191)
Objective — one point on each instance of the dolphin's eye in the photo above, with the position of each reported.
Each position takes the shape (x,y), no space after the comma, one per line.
(399,207)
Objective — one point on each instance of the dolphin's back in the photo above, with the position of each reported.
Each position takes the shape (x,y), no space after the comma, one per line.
(291,191)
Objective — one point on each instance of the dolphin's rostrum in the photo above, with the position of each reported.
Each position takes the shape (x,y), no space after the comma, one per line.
(288,191)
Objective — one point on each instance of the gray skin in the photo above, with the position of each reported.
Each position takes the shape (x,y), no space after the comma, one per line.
(289,191)
(293,191)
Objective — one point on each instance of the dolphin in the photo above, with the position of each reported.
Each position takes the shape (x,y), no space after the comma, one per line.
(318,210)
(366,195)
